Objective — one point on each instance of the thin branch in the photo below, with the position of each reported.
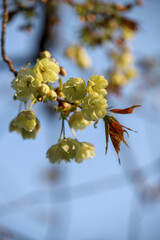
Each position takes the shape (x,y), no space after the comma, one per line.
(59,100)
(4,26)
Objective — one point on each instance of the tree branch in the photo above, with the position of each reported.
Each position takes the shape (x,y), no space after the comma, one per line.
(4,25)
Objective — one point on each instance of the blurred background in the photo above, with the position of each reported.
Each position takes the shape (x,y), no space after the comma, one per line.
(97,199)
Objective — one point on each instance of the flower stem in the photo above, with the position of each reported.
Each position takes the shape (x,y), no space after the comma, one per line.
(62,130)
(32,103)
(73,133)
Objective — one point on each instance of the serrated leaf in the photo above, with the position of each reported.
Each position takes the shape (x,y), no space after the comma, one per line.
(116,132)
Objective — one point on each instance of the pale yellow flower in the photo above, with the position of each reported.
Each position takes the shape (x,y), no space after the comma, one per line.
(74,89)
(85,151)
(94,107)
(48,68)
(26,84)
(65,149)
(26,120)
(78,122)
(97,84)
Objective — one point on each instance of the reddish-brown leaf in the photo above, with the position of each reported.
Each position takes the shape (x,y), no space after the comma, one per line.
(129,23)
(116,132)
(125,110)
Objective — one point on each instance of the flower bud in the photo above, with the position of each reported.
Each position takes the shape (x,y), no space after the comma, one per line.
(78,122)
(45,54)
(94,107)
(97,84)
(43,89)
(63,71)
(52,95)
(74,89)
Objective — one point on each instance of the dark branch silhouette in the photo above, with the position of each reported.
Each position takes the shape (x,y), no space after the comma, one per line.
(4,26)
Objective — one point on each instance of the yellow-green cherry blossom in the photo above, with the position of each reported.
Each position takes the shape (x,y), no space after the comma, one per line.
(65,149)
(28,135)
(94,107)
(97,84)
(85,151)
(74,89)
(26,120)
(48,68)
(13,127)
(26,84)
(78,122)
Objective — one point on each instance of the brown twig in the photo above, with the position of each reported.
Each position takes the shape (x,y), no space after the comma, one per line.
(4,25)
(59,100)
